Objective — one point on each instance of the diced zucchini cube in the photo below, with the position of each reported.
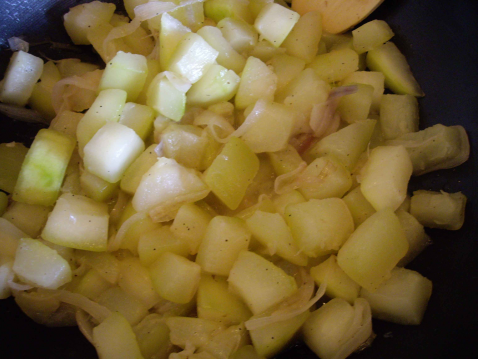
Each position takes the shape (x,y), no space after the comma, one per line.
(439,209)
(258,81)
(195,331)
(170,34)
(385,177)
(417,239)
(126,72)
(44,167)
(225,237)
(220,9)
(372,78)
(152,334)
(319,226)
(78,222)
(138,117)
(97,188)
(260,283)
(356,107)
(231,172)
(402,299)
(218,84)
(241,35)
(23,72)
(303,40)
(275,22)
(10,235)
(286,68)
(358,205)
(371,35)
(374,249)
(175,278)
(388,59)
(66,122)
(192,57)
(30,218)
(398,115)
(166,98)
(336,65)
(114,338)
(83,17)
(132,176)
(39,265)
(111,150)
(117,300)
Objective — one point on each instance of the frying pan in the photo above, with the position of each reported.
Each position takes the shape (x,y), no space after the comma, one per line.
(439,39)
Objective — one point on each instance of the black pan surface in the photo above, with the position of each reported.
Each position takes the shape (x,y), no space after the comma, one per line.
(439,39)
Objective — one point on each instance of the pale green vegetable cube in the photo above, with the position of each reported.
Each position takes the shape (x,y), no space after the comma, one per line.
(155,242)
(283,200)
(12,156)
(265,51)
(372,78)
(270,339)
(356,107)
(260,283)
(258,81)
(216,302)
(231,172)
(114,338)
(104,263)
(385,177)
(302,93)
(434,148)
(228,57)
(40,99)
(336,65)
(166,98)
(324,177)
(30,218)
(256,6)
(153,69)
(358,205)
(271,126)
(138,117)
(371,35)
(175,278)
(83,17)
(92,285)
(191,15)
(171,33)
(286,68)
(388,59)
(44,167)
(152,335)
(242,36)
(285,160)
(107,108)
(74,67)
(218,84)
(224,239)
(195,331)
(97,36)
(303,40)
(126,72)
(220,9)
(439,209)
(111,150)
(135,231)
(417,239)
(319,226)
(275,22)
(190,225)
(66,122)
(39,265)
(271,230)
(10,235)
(374,249)
(247,351)
(339,284)
(135,279)
(192,57)
(78,222)
(117,300)
(22,73)
(140,42)
(332,325)
(133,174)
(166,186)
(398,115)
(97,188)
(224,343)
(347,144)
(402,299)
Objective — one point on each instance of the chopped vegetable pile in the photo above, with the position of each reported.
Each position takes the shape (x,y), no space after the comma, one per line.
(235,177)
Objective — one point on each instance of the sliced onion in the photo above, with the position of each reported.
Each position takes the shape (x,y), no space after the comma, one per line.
(84,324)
(59,99)
(22,114)
(189,350)
(18,44)
(115,243)
(323,118)
(19,287)
(287,182)
(219,127)
(119,207)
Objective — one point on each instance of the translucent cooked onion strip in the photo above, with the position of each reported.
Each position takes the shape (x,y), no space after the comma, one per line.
(323,119)
(288,182)
(360,330)
(219,127)
(97,311)
(18,286)
(84,324)
(115,243)
(59,97)
(293,306)
(18,44)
